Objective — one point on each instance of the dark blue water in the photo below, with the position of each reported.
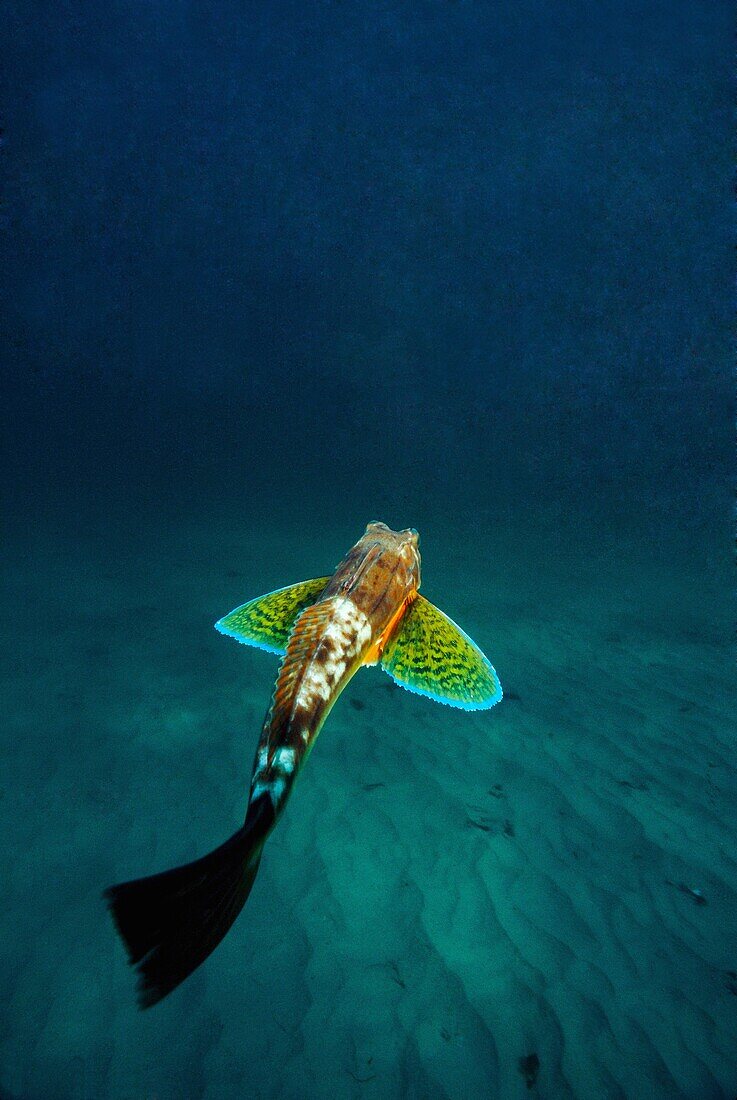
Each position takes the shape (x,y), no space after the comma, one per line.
(271,271)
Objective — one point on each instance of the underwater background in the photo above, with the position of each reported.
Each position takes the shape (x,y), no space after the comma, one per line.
(272,271)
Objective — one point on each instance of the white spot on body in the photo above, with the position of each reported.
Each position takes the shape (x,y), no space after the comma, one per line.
(314,683)
(284,759)
(347,615)
(347,633)
(276,788)
(273,787)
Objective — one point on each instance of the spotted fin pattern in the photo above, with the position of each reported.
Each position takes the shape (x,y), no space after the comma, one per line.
(267,621)
(431,656)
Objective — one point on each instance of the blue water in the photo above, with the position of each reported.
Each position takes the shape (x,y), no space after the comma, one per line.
(272,271)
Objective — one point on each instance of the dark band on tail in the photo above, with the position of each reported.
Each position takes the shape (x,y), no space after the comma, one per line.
(171,922)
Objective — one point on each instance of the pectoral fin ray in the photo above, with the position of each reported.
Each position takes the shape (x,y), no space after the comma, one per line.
(267,621)
(430,655)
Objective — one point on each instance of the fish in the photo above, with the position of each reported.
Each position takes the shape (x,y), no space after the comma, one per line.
(368,612)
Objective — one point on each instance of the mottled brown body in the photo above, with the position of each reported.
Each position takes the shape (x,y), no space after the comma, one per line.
(359,609)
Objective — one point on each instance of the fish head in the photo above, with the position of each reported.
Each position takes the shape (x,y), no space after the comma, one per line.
(380,575)
(403,545)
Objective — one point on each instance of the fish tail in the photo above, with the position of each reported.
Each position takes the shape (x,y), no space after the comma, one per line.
(172,921)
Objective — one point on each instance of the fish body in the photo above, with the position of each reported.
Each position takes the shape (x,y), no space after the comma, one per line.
(347,627)
(369,611)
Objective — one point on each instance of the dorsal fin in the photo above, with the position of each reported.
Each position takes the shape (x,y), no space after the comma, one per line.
(306,636)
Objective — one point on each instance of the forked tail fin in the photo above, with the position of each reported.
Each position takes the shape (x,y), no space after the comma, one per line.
(171,922)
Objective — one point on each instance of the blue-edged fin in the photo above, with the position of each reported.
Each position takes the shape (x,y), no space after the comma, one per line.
(268,620)
(432,656)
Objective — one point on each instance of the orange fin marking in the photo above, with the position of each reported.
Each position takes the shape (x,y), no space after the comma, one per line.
(374,654)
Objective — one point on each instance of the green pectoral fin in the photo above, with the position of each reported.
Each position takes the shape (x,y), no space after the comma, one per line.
(432,656)
(268,620)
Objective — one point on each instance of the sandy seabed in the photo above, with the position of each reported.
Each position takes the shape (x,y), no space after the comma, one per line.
(534,901)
